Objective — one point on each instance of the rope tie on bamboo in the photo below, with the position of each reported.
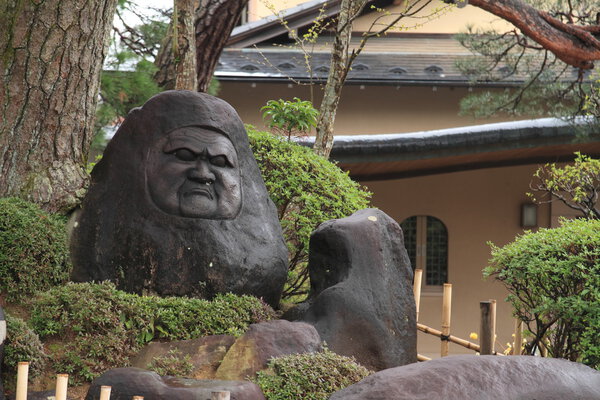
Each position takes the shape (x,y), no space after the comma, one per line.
(445,338)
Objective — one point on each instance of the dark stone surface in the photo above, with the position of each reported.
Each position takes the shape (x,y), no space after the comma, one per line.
(263,341)
(481,378)
(177,206)
(129,382)
(206,353)
(361,299)
(43,395)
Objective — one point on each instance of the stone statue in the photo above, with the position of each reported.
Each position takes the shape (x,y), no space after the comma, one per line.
(177,206)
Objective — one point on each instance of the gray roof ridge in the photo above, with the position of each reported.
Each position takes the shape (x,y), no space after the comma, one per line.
(491,129)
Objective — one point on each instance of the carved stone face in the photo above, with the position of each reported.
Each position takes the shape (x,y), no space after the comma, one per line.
(194,172)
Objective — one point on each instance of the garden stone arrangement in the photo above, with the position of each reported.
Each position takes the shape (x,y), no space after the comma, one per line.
(177,206)
(361,299)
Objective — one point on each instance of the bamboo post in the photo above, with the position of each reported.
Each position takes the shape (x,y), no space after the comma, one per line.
(62,381)
(224,395)
(518,340)
(22,375)
(487,330)
(137,398)
(417,289)
(421,357)
(446,314)
(105,392)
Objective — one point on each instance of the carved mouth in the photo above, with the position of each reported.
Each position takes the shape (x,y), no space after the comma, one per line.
(204,190)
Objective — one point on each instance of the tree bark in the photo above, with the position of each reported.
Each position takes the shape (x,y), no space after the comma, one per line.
(215,19)
(185,49)
(52,53)
(335,81)
(576,45)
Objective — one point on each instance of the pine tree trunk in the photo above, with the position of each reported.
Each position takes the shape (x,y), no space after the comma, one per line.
(215,19)
(52,54)
(185,52)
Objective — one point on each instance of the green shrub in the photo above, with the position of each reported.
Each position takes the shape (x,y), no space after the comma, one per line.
(172,364)
(553,276)
(34,254)
(104,326)
(309,376)
(22,344)
(307,190)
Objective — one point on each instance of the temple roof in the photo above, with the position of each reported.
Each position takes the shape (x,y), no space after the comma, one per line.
(374,157)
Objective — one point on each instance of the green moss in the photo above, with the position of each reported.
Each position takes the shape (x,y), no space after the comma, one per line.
(33,249)
(172,364)
(312,376)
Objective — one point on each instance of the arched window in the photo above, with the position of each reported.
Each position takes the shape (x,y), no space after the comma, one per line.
(426,241)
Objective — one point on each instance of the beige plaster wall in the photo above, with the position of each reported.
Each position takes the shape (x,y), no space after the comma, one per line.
(450,20)
(437,17)
(476,207)
(372,110)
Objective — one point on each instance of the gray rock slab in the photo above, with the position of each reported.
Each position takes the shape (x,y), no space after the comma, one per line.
(361,300)
(263,341)
(481,378)
(129,382)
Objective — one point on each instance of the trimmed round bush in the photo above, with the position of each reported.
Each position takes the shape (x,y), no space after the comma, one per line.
(34,254)
(312,376)
(553,276)
(307,190)
(104,326)
(22,344)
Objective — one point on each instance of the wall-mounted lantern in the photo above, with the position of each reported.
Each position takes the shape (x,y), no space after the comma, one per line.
(529,215)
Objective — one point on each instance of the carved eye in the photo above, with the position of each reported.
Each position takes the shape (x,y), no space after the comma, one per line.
(219,161)
(184,155)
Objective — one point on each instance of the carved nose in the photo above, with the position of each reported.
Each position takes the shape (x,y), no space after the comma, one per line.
(201,173)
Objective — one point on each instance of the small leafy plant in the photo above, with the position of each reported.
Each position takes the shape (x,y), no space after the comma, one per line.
(290,117)
(312,376)
(577,185)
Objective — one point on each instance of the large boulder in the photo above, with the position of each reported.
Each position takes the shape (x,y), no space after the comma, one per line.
(252,351)
(177,206)
(361,300)
(129,382)
(206,354)
(482,378)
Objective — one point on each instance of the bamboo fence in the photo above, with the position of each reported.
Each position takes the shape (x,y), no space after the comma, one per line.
(487,331)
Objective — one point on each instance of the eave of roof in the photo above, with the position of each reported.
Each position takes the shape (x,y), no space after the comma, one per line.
(397,60)
(373,157)
(270,27)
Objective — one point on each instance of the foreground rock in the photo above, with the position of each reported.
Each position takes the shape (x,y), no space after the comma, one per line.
(177,206)
(129,382)
(263,341)
(206,354)
(361,299)
(481,378)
